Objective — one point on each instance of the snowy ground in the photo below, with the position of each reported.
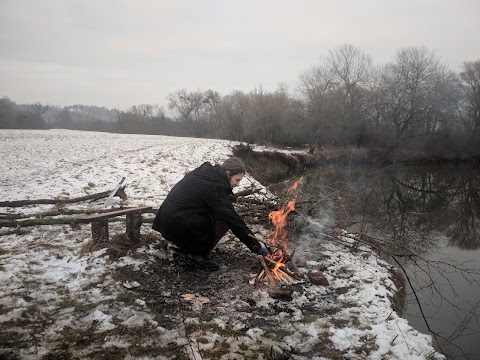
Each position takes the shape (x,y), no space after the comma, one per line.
(59,302)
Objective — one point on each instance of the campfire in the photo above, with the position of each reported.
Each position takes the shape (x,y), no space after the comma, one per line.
(278,266)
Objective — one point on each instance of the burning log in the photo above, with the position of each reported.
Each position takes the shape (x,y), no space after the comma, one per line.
(282,265)
(284,277)
(290,262)
(276,270)
(267,272)
(275,275)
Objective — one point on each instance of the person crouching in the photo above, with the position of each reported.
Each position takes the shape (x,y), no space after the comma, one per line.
(198,211)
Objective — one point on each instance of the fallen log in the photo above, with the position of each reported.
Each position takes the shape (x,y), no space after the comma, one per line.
(58,212)
(18,203)
(73,221)
(41,221)
(44,221)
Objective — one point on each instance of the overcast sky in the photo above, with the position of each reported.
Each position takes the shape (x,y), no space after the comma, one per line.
(119,53)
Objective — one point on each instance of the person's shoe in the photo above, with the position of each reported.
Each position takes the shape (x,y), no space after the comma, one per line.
(201,262)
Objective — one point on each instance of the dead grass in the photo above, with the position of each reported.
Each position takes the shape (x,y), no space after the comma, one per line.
(326,348)
(398,299)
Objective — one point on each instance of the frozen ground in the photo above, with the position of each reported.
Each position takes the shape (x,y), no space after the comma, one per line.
(59,301)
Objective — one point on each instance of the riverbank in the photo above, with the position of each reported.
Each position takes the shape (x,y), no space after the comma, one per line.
(426,209)
(285,167)
(270,165)
(62,298)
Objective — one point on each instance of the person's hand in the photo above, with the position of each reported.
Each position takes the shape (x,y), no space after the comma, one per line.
(263,250)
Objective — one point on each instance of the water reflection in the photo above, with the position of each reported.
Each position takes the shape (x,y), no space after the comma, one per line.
(406,205)
(431,212)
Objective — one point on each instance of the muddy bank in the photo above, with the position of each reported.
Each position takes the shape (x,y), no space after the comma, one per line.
(270,167)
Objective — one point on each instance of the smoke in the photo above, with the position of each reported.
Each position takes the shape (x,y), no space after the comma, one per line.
(313,233)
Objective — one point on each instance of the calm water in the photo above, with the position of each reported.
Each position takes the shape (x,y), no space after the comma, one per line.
(429,218)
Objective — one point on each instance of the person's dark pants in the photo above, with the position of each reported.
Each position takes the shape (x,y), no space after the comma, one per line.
(198,237)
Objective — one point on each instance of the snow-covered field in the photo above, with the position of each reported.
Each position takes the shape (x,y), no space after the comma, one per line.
(58,302)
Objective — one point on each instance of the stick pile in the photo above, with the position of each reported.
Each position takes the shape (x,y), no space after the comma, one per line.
(275,272)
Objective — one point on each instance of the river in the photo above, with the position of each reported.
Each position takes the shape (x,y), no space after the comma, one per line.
(428,221)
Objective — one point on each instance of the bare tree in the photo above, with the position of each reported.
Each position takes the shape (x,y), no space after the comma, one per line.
(230,116)
(7,113)
(417,93)
(335,97)
(315,85)
(38,108)
(194,109)
(268,118)
(350,69)
(470,108)
(64,119)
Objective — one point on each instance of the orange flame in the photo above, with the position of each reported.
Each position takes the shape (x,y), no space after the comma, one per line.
(279,220)
(293,187)
(278,238)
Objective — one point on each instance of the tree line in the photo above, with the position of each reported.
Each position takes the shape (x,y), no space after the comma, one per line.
(413,102)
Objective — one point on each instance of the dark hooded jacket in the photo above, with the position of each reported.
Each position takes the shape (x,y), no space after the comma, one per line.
(188,214)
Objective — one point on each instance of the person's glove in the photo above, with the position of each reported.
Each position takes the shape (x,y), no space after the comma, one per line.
(263,250)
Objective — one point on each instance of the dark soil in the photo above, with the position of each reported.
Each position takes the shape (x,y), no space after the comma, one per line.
(164,280)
